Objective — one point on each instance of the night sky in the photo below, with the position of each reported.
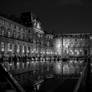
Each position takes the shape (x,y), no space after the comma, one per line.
(58,16)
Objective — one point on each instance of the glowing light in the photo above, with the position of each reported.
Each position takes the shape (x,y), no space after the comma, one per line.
(77,52)
(23,49)
(58,46)
(10,64)
(27,50)
(2,46)
(18,65)
(18,49)
(27,62)
(71,52)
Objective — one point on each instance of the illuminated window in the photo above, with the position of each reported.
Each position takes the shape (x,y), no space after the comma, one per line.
(9,47)
(14,33)
(71,52)
(42,51)
(2,30)
(12,48)
(33,50)
(66,43)
(47,51)
(18,48)
(23,49)
(58,46)
(2,46)
(9,33)
(77,52)
(28,49)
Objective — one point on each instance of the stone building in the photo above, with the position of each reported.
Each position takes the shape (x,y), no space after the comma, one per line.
(17,39)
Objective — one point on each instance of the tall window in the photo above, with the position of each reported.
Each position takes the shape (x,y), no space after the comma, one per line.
(9,47)
(23,49)
(27,49)
(2,30)
(18,48)
(9,32)
(14,33)
(2,46)
(15,48)
(21,33)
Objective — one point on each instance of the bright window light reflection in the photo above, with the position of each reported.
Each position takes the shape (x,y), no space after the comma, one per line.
(57,68)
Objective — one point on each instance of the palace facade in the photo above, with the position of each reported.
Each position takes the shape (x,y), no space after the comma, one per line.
(20,40)
(29,48)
